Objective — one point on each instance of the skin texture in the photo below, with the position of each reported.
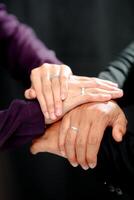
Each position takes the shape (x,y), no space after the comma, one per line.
(82,147)
(50,85)
(92,94)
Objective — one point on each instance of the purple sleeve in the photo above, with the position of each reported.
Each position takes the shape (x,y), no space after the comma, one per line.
(23,50)
(23,120)
(20,123)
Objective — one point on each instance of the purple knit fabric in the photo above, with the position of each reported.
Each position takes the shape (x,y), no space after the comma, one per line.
(23,120)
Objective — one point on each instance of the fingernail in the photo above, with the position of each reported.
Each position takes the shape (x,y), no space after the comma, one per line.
(52,116)
(92,165)
(74,164)
(119,137)
(63,97)
(85,167)
(63,153)
(58,112)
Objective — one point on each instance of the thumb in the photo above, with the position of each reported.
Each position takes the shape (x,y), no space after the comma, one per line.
(30,93)
(119,128)
(39,145)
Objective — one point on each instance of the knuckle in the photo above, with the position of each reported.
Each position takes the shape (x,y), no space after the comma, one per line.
(34,72)
(63,78)
(80,143)
(45,66)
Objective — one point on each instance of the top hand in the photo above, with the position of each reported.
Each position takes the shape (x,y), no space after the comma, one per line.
(50,85)
(93,92)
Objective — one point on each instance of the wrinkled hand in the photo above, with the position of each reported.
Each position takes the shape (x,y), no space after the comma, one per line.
(93,92)
(81,144)
(82,147)
(49,84)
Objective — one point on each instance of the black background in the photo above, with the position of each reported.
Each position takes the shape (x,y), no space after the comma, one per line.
(86,35)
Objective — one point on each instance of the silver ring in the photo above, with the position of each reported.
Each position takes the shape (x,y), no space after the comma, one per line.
(82,91)
(74,128)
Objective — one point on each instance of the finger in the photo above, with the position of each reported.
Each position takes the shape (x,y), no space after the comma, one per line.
(97,93)
(93,142)
(81,141)
(98,81)
(65,124)
(119,128)
(56,95)
(64,77)
(30,94)
(110,83)
(39,93)
(48,94)
(70,139)
(100,84)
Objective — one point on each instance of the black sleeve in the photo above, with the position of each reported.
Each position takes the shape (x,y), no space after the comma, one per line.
(116,160)
(121,71)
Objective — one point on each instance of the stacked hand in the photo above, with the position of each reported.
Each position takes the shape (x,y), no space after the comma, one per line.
(81,146)
(78,135)
(50,83)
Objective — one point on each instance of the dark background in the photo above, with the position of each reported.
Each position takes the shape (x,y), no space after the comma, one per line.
(86,35)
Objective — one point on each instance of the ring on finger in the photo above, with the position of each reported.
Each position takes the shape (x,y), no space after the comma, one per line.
(82,91)
(74,128)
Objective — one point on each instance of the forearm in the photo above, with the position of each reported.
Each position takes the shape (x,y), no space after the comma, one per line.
(20,123)
(22,50)
(119,70)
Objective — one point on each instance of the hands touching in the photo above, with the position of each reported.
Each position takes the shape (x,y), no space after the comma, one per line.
(58,91)
(49,84)
(83,90)
(82,130)
(78,136)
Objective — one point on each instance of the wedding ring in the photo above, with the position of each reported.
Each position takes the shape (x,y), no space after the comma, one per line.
(82,91)
(74,128)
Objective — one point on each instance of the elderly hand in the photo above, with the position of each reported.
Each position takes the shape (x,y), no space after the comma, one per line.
(82,130)
(81,146)
(83,89)
(49,84)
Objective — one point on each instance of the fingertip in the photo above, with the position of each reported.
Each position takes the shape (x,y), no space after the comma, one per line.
(27,94)
(63,96)
(117,135)
(33,150)
(118,138)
